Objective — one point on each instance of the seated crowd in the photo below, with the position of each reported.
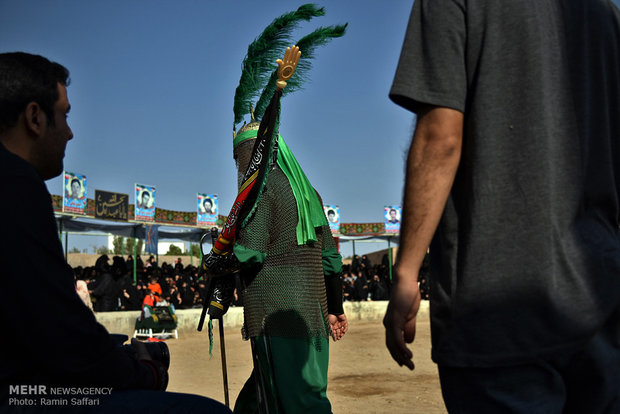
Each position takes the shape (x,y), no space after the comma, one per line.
(112,288)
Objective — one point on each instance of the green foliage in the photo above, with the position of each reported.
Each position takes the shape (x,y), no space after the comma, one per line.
(101,250)
(74,250)
(174,251)
(117,245)
(128,246)
(194,250)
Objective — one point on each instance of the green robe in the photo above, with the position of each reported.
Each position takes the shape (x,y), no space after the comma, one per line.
(284,298)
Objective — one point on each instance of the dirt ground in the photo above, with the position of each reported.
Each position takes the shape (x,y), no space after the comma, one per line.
(362,375)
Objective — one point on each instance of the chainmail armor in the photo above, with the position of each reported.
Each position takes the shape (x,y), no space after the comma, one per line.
(287,296)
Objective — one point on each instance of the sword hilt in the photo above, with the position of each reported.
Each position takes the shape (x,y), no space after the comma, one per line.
(210,286)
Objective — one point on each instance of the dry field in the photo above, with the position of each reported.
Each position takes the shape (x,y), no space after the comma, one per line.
(362,376)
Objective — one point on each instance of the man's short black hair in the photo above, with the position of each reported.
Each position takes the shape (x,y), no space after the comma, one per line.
(26,78)
(76,180)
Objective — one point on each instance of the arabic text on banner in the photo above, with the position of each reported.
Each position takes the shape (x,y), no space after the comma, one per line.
(111,206)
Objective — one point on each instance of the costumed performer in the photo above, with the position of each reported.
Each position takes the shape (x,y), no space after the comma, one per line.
(279,237)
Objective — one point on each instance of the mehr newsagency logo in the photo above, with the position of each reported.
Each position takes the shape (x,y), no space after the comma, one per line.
(44,396)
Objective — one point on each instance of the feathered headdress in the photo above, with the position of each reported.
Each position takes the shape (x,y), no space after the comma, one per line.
(261,80)
(258,72)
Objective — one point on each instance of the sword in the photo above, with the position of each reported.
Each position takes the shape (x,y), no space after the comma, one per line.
(224,370)
(205,307)
(214,234)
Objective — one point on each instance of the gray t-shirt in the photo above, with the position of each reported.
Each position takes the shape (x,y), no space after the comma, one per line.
(526,259)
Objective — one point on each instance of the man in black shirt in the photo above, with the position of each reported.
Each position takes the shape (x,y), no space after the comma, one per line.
(513,179)
(55,339)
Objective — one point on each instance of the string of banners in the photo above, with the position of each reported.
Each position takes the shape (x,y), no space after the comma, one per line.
(114,206)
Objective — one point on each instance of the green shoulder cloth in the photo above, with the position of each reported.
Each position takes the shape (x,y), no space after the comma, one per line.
(309,208)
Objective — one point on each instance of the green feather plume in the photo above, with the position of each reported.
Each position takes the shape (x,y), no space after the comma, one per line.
(262,53)
(307,45)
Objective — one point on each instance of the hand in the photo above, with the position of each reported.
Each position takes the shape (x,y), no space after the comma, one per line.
(215,265)
(287,66)
(400,319)
(338,325)
(141,351)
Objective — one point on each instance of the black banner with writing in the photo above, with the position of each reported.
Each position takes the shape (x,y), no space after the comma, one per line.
(111,206)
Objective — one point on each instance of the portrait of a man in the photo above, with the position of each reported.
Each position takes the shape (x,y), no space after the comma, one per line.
(393,216)
(76,189)
(331,216)
(144,200)
(207,206)
(74,200)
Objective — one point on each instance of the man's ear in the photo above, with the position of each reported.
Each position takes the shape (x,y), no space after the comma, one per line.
(35,119)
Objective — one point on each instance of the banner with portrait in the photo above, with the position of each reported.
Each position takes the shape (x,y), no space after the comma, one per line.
(391,218)
(333,217)
(145,203)
(74,198)
(207,210)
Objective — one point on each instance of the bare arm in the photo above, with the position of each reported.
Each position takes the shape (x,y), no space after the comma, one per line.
(432,163)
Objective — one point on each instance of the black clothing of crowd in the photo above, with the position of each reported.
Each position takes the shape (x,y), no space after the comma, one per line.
(112,286)
(362,281)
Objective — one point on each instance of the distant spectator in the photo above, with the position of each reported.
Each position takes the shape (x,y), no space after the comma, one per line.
(150,299)
(174,297)
(378,289)
(187,295)
(361,286)
(82,290)
(197,300)
(107,290)
(349,291)
(154,286)
(131,298)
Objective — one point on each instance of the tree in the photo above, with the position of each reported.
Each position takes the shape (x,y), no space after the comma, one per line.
(128,245)
(194,250)
(74,250)
(117,244)
(101,250)
(174,251)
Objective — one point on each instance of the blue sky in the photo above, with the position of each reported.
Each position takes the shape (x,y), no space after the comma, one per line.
(153,84)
